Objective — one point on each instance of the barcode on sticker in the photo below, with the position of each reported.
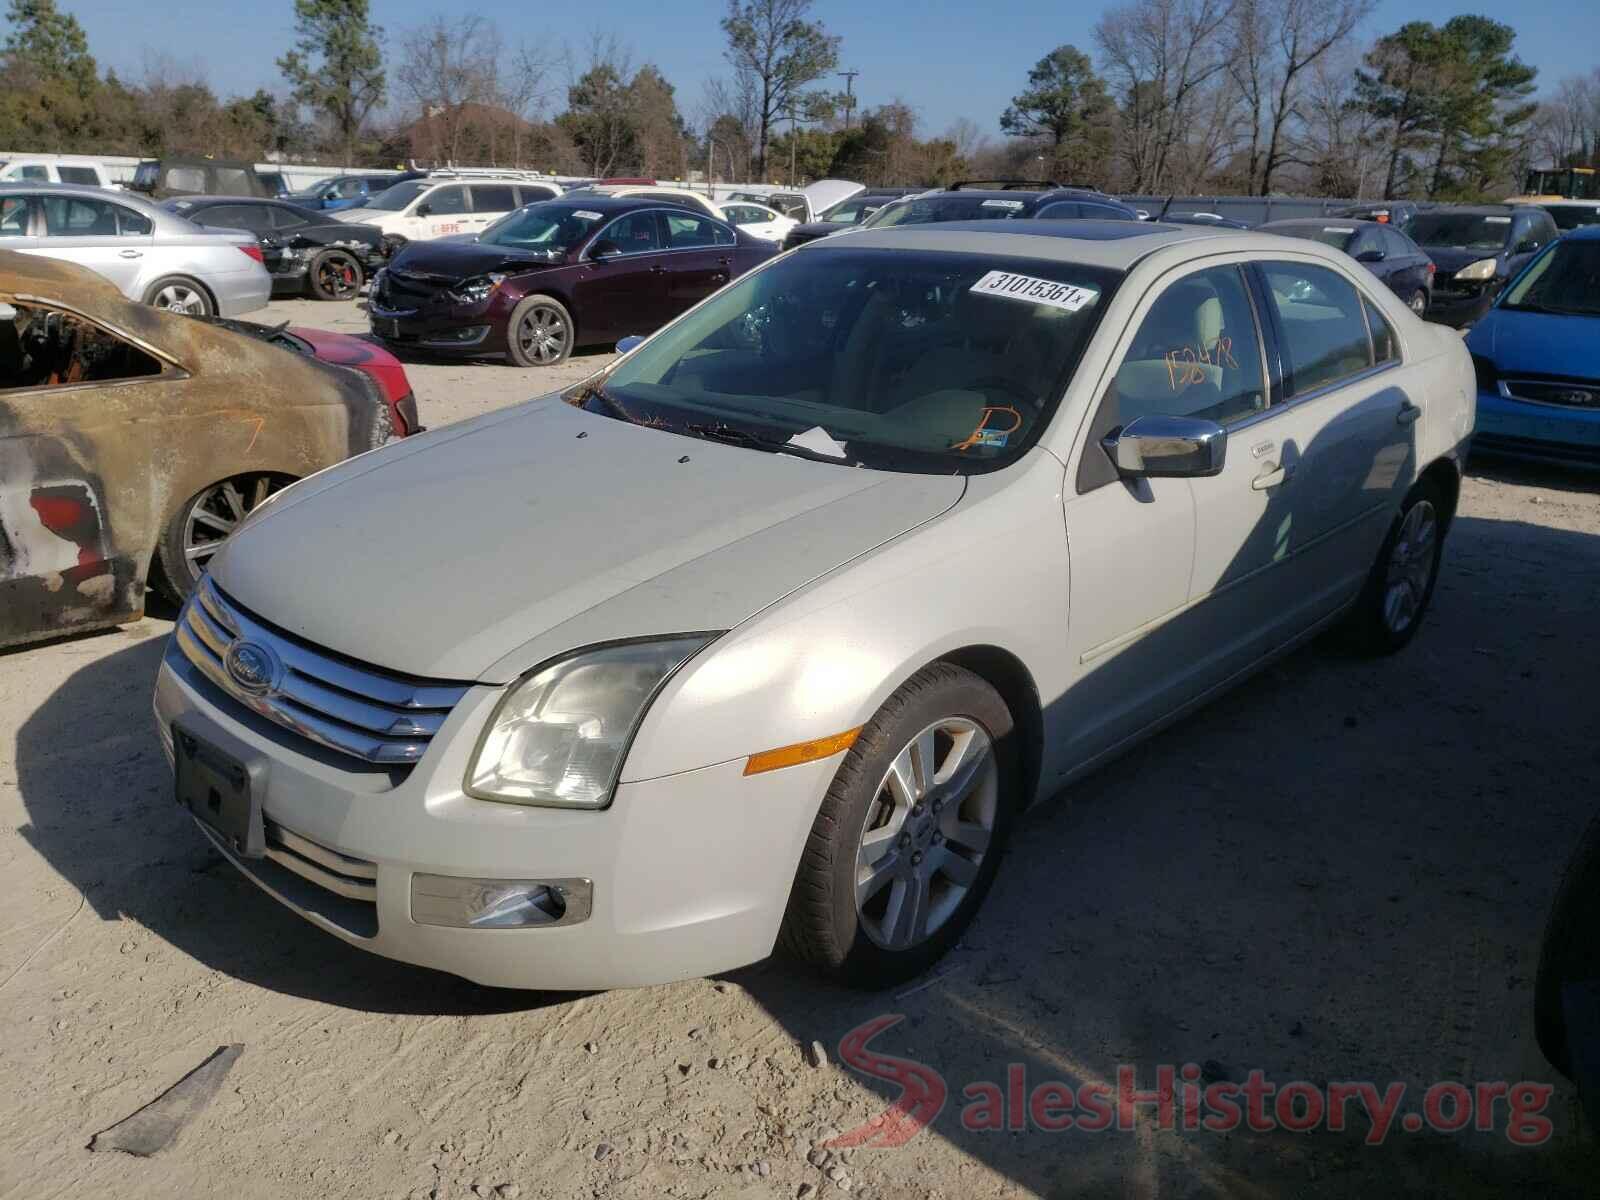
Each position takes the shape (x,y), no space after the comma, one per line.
(1035,291)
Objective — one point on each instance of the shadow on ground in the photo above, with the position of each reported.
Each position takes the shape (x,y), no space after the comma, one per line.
(1337,872)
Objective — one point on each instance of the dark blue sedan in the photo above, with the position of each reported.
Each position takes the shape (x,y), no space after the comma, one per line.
(1537,353)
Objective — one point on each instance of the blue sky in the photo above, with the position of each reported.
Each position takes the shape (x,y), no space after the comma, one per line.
(946,58)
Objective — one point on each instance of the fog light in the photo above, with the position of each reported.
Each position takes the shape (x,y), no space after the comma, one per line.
(499,903)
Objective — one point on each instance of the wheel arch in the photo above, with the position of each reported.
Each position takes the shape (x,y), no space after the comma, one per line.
(1006,673)
(1445,475)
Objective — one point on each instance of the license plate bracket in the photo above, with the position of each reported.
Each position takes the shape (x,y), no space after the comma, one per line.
(222,786)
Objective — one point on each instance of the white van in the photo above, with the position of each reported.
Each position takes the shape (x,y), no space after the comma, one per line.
(42,169)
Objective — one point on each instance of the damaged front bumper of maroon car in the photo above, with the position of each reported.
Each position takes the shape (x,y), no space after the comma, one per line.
(425,311)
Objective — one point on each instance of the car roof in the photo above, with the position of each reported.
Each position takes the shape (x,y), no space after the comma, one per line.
(1583,233)
(89,191)
(1114,244)
(1317,222)
(605,202)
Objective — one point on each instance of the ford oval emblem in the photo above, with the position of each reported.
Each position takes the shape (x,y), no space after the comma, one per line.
(254,668)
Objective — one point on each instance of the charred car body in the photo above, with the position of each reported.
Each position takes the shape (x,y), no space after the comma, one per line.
(133,440)
(556,275)
(306,252)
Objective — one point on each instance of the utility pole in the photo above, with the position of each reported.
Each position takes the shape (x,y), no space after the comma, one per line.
(849,95)
(794,138)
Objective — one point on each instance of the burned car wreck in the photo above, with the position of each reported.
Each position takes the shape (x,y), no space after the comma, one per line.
(133,440)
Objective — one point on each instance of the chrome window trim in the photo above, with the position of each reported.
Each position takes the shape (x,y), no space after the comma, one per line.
(1325,390)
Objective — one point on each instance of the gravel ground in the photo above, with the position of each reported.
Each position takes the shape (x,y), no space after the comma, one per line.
(1338,872)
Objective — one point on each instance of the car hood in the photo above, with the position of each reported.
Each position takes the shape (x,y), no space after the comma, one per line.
(1450,259)
(480,550)
(825,193)
(454,259)
(1538,343)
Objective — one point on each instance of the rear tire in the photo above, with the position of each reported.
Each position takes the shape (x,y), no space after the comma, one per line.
(1418,302)
(900,857)
(179,293)
(335,275)
(1400,586)
(539,332)
(202,524)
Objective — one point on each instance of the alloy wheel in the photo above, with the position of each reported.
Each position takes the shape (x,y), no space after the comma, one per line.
(181,298)
(1411,566)
(542,334)
(216,513)
(337,276)
(1419,303)
(926,832)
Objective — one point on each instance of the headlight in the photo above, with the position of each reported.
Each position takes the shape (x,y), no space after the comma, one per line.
(477,289)
(558,737)
(1477,272)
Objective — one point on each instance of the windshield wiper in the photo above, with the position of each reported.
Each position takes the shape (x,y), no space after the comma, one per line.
(742,437)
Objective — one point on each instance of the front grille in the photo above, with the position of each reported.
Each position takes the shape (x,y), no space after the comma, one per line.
(365,712)
(1576,394)
(412,289)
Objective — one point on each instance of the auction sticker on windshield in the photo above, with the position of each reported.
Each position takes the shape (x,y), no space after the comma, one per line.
(584,215)
(1035,291)
(1001,204)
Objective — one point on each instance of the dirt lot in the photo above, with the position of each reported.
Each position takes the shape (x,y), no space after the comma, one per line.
(1338,872)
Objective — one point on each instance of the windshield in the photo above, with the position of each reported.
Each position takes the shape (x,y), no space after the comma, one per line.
(549,228)
(1461,231)
(923,361)
(927,209)
(399,196)
(856,208)
(1564,279)
(1337,236)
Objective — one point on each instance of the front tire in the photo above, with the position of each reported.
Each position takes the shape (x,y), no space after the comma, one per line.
(335,275)
(1400,586)
(540,332)
(909,835)
(200,527)
(179,293)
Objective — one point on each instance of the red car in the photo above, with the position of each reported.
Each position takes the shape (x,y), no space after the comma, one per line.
(552,276)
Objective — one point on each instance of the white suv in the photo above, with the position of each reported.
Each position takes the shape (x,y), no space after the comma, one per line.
(447,203)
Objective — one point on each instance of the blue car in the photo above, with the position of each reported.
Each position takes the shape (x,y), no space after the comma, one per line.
(1537,354)
(346,191)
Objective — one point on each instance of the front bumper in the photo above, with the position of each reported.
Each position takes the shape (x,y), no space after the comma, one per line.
(1545,432)
(1460,307)
(468,332)
(690,872)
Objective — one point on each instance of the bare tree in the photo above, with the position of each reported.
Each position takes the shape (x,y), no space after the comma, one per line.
(524,88)
(1158,56)
(447,67)
(1568,126)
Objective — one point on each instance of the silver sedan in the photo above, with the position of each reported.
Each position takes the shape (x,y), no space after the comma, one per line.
(153,256)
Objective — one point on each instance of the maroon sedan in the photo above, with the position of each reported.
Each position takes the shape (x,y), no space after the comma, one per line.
(580,271)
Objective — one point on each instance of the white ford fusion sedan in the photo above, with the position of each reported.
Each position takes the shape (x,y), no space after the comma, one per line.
(765,634)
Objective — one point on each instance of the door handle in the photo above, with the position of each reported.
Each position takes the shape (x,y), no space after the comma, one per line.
(131,253)
(658,269)
(1408,413)
(1271,479)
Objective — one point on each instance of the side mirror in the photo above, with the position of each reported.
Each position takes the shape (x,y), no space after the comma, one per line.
(603,250)
(1527,247)
(1370,256)
(628,343)
(424,209)
(1168,447)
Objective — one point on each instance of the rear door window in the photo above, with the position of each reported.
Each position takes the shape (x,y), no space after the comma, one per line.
(85,175)
(74,216)
(187,180)
(1324,331)
(492,198)
(686,231)
(1384,347)
(234,181)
